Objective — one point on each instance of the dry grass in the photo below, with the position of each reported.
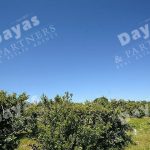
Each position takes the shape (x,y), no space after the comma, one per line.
(24,144)
(142,137)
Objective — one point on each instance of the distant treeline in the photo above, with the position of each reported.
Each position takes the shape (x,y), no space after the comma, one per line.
(61,124)
(127,108)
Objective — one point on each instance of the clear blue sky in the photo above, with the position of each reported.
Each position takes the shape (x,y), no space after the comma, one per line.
(81,59)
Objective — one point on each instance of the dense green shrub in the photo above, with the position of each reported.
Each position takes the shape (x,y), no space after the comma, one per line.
(67,126)
(60,124)
(11,119)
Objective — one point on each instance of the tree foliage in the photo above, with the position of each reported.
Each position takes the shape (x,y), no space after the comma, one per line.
(11,119)
(61,124)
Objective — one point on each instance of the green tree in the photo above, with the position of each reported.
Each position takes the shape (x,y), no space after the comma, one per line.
(11,123)
(64,125)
